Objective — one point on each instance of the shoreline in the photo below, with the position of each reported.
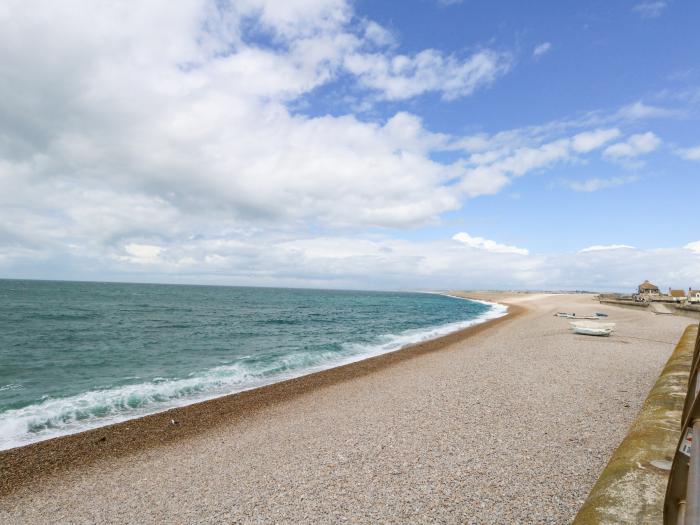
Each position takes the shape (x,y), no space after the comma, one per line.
(34,461)
(395,342)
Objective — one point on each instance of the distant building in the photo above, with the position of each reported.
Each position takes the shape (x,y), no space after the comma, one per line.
(693,296)
(676,295)
(646,288)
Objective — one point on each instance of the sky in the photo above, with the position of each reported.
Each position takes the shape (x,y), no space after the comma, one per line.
(422,144)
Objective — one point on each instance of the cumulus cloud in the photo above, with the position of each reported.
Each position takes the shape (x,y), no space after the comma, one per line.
(378,35)
(634,146)
(177,108)
(487,245)
(333,261)
(651,8)
(541,49)
(693,247)
(689,153)
(489,172)
(590,140)
(176,105)
(604,247)
(639,110)
(166,139)
(141,253)
(595,184)
(401,77)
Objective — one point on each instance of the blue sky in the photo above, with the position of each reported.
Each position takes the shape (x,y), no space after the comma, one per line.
(330,143)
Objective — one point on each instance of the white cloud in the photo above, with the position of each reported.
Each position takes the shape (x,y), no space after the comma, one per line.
(159,139)
(651,8)
(488,245)
(401,77)
(639,111)
(378,35)
(590,140)
(161,115)
(693,247)
(379,262)
(493,169)
(541,49)
(689,153)
(153,106)
(141,253)
(292,18)
(634,146)
(605,247)
(596,184)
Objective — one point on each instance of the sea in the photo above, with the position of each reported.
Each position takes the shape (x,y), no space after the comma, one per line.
(79,355)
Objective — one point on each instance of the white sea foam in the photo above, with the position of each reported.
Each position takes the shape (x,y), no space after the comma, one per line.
(61,416)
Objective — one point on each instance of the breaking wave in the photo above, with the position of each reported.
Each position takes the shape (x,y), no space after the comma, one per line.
(59,416)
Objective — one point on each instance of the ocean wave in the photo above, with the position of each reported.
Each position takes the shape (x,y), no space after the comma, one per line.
(52,417)
(410,337)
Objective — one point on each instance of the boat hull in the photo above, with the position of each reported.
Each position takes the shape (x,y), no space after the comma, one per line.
(597,329)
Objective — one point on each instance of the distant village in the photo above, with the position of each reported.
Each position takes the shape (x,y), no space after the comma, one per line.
(675,301)
(647,292)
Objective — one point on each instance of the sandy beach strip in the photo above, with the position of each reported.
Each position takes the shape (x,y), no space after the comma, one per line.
(510,421)
(25,465)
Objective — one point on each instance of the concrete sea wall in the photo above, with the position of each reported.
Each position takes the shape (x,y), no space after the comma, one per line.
(632,487)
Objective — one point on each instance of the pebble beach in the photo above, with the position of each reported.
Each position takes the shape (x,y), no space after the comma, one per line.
(507,422)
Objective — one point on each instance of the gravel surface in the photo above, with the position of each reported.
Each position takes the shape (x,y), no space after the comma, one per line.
(511,425)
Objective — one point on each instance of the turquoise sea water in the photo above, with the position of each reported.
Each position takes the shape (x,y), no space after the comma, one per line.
(80,355)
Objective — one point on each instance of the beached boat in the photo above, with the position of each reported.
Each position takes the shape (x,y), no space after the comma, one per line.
(588,328)
(601,314)
(574,316)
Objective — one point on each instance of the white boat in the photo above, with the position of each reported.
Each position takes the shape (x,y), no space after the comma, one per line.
(588,328)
